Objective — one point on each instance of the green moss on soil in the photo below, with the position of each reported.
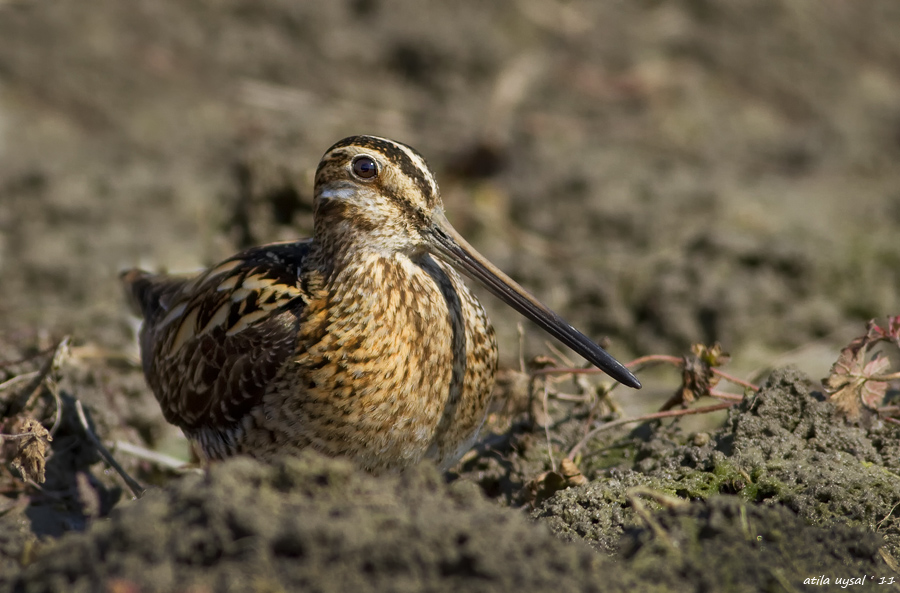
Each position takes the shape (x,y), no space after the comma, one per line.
(784,446)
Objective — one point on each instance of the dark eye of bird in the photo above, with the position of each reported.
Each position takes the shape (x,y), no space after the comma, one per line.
(364,167)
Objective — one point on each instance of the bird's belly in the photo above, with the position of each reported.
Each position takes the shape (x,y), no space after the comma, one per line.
(389,378)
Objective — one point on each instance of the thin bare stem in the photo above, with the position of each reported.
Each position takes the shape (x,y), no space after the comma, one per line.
(520,329)
(564,371)
(23,399)
(888,377)
(547,431)
(735,380)
(654,416)
(17,435)
(135,487)
(568,397)
(156,457)
(18,379)
(9,363)
(567,371)
(49,370)
(656,358)
(633,496)
(53,388)
(886,517)
(731,397)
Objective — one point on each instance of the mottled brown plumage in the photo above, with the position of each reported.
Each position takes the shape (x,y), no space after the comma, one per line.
(363,341)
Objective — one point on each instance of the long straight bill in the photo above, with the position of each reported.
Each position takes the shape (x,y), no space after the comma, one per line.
(451,246)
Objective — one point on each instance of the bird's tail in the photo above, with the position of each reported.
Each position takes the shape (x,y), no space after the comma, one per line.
(147,293)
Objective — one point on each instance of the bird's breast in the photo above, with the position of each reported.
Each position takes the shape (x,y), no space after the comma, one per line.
(395,362)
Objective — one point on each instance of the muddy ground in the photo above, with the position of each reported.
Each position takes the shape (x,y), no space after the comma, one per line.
(661,173)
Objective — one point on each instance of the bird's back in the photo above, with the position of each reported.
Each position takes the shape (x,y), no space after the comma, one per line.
(211,344)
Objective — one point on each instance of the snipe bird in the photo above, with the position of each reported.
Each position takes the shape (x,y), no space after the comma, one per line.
(362,341)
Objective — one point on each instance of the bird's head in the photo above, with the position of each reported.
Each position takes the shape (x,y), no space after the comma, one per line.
(380,195)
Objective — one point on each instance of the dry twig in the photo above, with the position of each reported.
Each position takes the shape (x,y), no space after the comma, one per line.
(160,459)
(633,495)
(133,485)
(654,416)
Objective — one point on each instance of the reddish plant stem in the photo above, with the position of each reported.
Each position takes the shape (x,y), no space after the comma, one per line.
(653,358)
(735,380)
(654,416)
(656,358)
(731,397)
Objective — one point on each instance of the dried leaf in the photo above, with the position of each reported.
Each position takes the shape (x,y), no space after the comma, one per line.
(713,357)
(872,392)
(549,483)
(697,378)
(543,487)
(849,384)
(542,361)
(30,455)
(893,331)
(875,333)
(571,473)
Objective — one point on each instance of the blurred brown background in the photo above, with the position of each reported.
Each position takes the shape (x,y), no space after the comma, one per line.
(659,172)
